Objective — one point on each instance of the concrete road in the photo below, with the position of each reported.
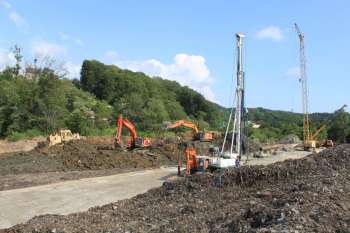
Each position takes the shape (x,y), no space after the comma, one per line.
(20,205)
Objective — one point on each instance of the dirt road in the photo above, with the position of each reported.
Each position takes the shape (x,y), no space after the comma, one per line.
(20,205)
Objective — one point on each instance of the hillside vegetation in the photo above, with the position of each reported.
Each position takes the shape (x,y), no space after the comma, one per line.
(38,100)
(148,101)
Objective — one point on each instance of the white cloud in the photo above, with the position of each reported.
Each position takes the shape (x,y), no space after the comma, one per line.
(5,4)
(189,70)
(111,55)
(18,20)
(79,42)
(270,32)
(293,72)
(64,36)
(6,58)
(44,49)
(72,70)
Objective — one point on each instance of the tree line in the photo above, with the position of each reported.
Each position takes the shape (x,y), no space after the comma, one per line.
(38,99)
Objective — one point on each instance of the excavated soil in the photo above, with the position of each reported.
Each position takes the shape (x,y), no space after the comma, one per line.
(81,155)
(305,195)
(77,159)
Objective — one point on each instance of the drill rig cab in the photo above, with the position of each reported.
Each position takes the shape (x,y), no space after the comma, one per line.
(134,141)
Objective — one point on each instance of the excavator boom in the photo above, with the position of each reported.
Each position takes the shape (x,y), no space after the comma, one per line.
(202,136)
(187,124)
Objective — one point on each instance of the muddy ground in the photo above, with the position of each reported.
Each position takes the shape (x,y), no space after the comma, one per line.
(77,159)
(306,195)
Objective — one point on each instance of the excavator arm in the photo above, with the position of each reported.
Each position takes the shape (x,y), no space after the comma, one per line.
(124,122)
(187,124)
(202,136)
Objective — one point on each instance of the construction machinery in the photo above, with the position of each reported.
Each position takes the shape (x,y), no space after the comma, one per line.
(194,162)
(237,146)
(310,141)
(327,142)
(197,134)
(134,141)
(62,136)
(218,159)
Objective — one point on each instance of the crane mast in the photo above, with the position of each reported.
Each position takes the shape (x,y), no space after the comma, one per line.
(304,86)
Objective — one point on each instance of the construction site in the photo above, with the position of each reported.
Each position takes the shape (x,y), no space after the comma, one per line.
(187,177)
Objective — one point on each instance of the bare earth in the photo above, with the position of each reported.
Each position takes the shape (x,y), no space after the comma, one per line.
(79,195)
(310,194)
(21,145)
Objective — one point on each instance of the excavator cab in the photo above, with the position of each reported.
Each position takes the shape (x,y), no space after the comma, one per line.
(141,142)
(204,136)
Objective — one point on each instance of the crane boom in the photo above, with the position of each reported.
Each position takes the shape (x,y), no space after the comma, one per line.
(314,135)
(303,80)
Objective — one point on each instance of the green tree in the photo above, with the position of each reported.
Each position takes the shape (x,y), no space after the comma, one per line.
(51,101)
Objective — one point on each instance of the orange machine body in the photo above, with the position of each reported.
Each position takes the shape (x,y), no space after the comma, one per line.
(193,162)
(134,141)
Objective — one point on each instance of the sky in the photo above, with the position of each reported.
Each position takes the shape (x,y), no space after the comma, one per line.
(193,42)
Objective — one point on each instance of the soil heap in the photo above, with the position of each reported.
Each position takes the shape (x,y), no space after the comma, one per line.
(82,155)
(306,195)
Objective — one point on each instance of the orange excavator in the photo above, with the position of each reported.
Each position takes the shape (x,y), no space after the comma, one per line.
(197,135)
(194,162)
(135,142)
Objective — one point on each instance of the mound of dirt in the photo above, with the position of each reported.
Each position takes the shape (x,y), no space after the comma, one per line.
(306,195)
(81,155)
(100,140)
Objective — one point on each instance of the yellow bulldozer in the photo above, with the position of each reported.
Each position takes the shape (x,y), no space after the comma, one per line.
(62,136)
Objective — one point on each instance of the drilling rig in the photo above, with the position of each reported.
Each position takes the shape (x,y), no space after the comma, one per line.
(308,142)
(233,156)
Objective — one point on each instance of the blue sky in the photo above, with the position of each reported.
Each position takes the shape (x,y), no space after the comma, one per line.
(193,42)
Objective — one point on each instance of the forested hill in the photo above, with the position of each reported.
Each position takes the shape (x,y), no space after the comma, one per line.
(148,101)
(36,101)
(40,100)
(277,124)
